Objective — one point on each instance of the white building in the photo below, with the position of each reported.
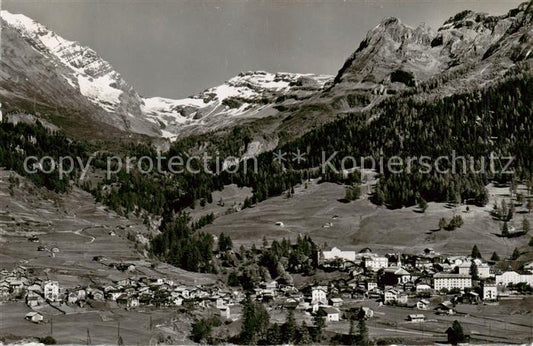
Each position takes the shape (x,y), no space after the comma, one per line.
(332,314)
(512,277)
(483,271)
(337,253)
(450,280)
(394,296)
(376,263)
(489,291)
(319,295)
(51,290)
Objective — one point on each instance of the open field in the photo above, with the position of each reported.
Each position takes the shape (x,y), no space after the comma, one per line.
(103,326)
(508,322)
(360,224)
(80,230)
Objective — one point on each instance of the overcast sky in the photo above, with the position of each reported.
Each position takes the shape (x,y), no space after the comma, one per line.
(178,48)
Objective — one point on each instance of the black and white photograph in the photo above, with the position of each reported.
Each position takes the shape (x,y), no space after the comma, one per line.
(266,172)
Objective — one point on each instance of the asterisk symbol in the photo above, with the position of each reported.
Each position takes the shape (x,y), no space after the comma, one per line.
(298,156)
(280,157)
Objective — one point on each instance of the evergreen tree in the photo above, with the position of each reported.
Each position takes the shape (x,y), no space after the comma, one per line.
(255,321)
(303,336)
(529,205)
(516,254)
(288,329)
(274,336)
(422,204)
(475,252)
(320,322)
(455,333)
(442,223)
(474,271)
(525,225)
(362,331)
(495,257)
(224,243)
(505,229)
(201,331)
(352,340)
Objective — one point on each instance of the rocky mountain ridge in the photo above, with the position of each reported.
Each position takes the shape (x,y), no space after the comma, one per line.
(40,68)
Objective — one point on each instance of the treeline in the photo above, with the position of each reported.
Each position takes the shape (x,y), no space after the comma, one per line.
(475,124)
(20,141)
(181,246)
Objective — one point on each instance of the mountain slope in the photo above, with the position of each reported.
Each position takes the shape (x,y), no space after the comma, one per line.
(42,69)
(468,52)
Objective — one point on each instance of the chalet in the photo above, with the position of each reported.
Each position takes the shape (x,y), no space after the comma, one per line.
(35,288)
(394,296)
(332,314)
(15,286)
(72,298)
(416,318)
(34,299)
(96,295)
(422,304)
(336,302)
(445,308)
(4,289)
(34,317)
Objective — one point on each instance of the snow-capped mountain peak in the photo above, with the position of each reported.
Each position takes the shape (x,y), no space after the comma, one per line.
(66,75)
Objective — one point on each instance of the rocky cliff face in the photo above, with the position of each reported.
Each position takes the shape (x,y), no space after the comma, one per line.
(395,56)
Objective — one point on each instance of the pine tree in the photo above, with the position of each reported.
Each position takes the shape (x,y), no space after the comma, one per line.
(352,340)
(362,335)
(442,223)
(303,338)
(274,336)
(473,271)
(516,254)
(288,329)
(505,229)
(455,333)
(320,322)
(423,205)
(495,257)
(475,252)
(525,226)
